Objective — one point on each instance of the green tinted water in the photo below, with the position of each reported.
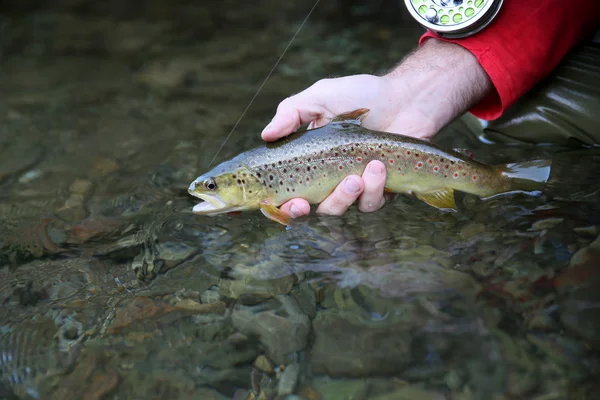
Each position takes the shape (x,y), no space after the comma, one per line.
(111,288)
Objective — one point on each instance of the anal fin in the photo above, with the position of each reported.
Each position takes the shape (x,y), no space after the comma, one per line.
(440,198)
(274,213)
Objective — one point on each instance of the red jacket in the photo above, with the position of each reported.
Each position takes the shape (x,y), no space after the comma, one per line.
(524,43)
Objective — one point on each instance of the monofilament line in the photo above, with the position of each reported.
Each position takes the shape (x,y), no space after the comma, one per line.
(265,81)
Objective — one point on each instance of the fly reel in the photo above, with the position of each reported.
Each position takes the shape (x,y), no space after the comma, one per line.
(454,19)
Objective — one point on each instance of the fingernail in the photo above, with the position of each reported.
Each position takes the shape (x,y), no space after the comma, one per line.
(267,127)
(351,187)
(376,168)
(294,211)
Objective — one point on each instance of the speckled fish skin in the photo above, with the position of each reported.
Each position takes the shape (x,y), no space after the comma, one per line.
(312,163)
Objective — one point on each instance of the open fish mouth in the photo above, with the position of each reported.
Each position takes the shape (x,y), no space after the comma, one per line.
(212,204)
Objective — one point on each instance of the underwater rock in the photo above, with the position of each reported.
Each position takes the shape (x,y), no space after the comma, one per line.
(347,346)
(279,323)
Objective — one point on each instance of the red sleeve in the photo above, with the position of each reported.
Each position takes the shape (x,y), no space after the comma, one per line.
(524,43)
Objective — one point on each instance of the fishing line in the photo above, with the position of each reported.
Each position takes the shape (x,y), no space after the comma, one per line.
(265,81)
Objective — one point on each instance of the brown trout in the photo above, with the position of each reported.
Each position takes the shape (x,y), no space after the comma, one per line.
(310,164)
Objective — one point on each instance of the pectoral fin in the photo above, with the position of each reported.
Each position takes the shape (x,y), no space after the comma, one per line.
(274,213)
(441,198)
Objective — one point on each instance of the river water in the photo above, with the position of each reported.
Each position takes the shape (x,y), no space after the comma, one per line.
(112,289)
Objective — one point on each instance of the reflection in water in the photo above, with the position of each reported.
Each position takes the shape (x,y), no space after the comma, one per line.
(111,287)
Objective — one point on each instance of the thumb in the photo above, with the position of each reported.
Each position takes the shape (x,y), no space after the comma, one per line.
(291,113)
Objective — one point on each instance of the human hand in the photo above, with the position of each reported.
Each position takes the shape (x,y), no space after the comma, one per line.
(434,85)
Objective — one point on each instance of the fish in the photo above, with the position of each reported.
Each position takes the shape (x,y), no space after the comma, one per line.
(309,164)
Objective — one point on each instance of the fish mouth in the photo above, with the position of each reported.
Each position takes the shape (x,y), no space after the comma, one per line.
(212,204)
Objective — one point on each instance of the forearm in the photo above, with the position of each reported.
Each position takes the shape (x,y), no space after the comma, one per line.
(444,80)
(525,42)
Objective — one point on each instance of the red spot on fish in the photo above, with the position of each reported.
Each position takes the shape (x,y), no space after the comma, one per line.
(340,167)
(291,176)
(359,159)
(430,161)
(464,174)
(447,166)
(436,169)
(408,152)
(419,164)
(399,169)
(456,174)
(391,161)
(234,213)
(474,177)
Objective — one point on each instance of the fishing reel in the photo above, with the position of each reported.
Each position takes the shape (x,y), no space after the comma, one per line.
(454,19)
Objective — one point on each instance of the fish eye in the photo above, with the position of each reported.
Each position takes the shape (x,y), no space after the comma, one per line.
(210,184)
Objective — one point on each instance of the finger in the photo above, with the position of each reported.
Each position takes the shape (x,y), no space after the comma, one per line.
(342,197)
(372,198)
(296,208)
(291,114)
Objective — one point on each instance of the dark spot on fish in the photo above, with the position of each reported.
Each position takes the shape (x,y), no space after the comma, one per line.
(322,161)
(293,190)
(445,176)
(259,175)
(336,154)
(279,162)
(270,186)
(452,162)
(307,179)
(245,174)
(344,150)
(447,166)
(408,152)
(297,169)
(244,181)
(281,182)
(416,155)
(233,176)
(285,170)
(291,176)
(239,181)
(288,189)
(270,177)
(308,168)
(249,191)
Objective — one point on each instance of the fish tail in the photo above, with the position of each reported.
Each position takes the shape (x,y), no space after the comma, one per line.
(574,176)
(567,175)
(528,176)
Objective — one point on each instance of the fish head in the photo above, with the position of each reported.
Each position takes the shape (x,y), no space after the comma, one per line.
(225,191)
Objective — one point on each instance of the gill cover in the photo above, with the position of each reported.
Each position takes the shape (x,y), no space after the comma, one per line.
(454,19)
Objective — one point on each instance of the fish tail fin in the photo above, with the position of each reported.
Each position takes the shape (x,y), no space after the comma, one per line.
(574,176)
(527,176)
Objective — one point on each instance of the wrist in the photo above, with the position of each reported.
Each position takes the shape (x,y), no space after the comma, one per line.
(437,83)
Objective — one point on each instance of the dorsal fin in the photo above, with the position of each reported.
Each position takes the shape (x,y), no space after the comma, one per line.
(352,117)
